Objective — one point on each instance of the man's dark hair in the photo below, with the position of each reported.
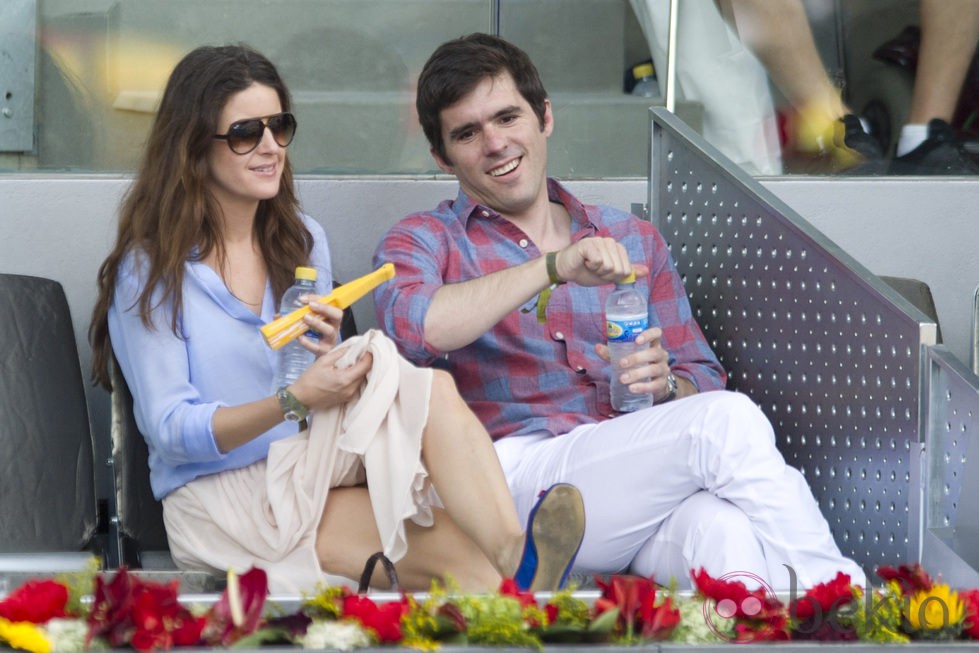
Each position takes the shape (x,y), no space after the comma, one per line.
(458,66)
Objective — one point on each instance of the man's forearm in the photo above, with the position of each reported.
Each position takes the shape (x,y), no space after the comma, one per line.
(462,312)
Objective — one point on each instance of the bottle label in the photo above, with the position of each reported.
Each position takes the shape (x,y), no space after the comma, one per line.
(625,329)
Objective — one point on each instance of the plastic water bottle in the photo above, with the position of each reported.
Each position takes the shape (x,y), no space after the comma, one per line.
(626,316)
(646,84)
(293,358)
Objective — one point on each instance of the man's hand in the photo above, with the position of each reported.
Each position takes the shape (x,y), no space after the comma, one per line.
(595,262)
(652,363)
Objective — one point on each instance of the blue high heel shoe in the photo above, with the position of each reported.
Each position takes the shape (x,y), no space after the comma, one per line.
(555,528)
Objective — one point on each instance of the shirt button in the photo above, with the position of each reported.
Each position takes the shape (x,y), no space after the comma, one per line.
(485,213)
(524,242)
(579,369)
(559,336)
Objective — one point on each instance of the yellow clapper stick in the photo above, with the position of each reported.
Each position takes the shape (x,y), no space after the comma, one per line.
(283,329)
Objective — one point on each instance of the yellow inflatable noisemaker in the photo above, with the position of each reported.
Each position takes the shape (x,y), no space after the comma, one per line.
(283,329)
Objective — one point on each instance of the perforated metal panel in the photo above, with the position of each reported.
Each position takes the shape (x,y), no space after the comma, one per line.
(950,544)
(829,352)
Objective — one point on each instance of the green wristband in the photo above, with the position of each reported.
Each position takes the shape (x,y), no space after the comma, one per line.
(550,260)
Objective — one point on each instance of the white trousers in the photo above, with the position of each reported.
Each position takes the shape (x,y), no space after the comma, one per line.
(697,482)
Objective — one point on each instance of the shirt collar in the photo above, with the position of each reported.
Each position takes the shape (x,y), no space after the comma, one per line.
(582,216)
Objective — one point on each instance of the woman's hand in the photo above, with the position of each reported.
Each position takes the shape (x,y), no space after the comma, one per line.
(325,320)
(324,385)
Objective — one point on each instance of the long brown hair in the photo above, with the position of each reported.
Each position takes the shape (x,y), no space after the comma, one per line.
(169,213)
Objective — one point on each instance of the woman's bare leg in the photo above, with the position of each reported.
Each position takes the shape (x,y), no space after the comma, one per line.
(477,538)
(347,537)
(468,477)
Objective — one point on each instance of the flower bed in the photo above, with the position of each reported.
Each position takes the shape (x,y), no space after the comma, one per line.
(123,610)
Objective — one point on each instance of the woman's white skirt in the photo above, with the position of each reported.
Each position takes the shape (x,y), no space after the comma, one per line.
(267,514)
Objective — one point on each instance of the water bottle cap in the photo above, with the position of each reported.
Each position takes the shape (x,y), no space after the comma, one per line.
(306,274)
(642,70)
(629,279)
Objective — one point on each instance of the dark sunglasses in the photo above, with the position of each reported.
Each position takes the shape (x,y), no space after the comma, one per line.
(245,135)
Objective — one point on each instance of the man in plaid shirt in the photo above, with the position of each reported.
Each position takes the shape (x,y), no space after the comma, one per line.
(505,286)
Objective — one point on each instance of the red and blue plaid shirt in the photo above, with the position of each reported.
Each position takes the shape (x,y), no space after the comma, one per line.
(522,376)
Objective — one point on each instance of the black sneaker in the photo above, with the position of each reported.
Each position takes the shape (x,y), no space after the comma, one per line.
(870,159)
(940,154)
(836,147)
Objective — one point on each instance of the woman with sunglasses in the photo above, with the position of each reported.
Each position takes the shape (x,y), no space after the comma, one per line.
(209,236)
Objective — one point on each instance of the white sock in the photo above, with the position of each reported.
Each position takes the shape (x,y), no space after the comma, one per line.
(911,137)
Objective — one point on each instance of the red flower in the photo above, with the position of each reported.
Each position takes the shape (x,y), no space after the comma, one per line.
(508,587)
(626,593)
(658,621)
(451,613)
(912,578)
(244,595)
(635,598)
(816,612)
(160,621)
(775,630)
(109,616)
(384,620)
(36,602)
(552,612)
(763,607)
(970,598)
(826,596)
(758,616)
(141,614)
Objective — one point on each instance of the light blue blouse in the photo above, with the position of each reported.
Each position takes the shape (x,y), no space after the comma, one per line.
(219,359)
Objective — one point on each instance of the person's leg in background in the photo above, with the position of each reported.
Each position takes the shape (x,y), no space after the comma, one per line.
(820,124)
(717,71)
(949,33)
(778,32)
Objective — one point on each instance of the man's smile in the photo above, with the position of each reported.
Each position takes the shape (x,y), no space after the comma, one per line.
(505,168)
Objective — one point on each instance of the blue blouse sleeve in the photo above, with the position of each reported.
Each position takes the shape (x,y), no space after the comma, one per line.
(168,408)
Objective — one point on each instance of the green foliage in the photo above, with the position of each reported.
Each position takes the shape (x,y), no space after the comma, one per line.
(877,617)
(325,604)
(571,611)
(495,620)
(79,585)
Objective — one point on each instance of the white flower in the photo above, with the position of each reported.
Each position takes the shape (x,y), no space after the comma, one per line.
(694,627)
(339,635)
(68,635)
